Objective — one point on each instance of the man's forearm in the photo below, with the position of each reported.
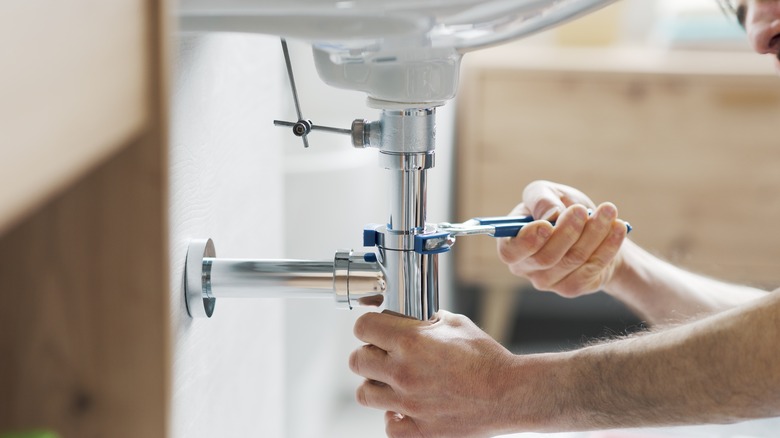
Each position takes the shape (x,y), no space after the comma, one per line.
(662,293)
(720,369)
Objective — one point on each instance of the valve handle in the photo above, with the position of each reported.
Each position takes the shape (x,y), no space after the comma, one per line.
(302,127)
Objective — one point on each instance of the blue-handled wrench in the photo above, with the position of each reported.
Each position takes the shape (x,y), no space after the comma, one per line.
(498,226)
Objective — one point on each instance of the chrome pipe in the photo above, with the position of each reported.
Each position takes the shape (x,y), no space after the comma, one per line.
(408,190)
(235,278)
(352,279)
(407,151)
(429,298)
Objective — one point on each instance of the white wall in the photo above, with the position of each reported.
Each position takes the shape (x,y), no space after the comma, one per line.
(226,183)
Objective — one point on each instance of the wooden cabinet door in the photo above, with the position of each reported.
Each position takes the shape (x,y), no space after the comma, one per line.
(84,321)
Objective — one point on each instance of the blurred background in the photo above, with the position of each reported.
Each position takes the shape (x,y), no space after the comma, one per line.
(605,104)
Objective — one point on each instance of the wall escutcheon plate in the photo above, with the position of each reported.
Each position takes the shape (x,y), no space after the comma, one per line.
(199,303)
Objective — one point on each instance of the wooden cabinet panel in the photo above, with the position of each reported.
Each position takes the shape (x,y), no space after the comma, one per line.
(84,325)
(84,328)
(686,148)
(73,90)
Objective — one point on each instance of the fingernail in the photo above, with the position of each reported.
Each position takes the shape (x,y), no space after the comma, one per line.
(544,232)
(607,213)
(581,214)
(550,214)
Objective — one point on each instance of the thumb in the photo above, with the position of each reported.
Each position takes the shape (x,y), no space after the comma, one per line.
(543,200)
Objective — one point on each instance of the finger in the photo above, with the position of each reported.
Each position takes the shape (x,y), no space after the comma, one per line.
(567,232)
(571,196)
(543,200)
(377,395)
(596,269)
(596,229)
(371,362)
(520,210)
(384,329)
(547,200)
(529,241)
(401,426)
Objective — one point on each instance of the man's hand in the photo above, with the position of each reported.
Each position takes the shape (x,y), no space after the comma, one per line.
(439,378)
(577,256)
